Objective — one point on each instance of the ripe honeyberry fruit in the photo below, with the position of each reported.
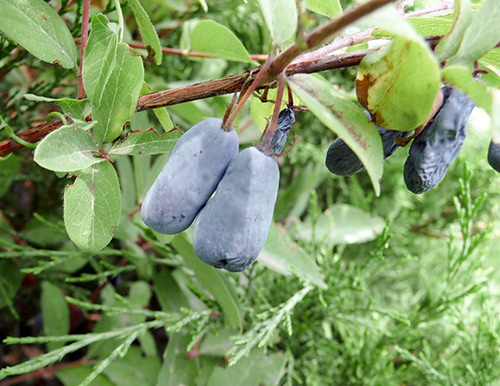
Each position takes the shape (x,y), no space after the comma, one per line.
(232,228)
(190,176)
(285,121)
(494,156)
(341,160)
(439,143)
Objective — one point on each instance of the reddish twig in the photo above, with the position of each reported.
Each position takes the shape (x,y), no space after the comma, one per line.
(267,135)
(248,93)
(83,44)
(320,34)
(195,54)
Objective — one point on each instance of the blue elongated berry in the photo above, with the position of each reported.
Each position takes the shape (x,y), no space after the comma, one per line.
(494,156)
(232,228)
(439,143)
(190,176)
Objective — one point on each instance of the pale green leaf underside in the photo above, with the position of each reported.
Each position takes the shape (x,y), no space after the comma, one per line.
(345,119)
(213,280)
(211,38)
(481,35)
(37,27)
(77,108)
(280,17)
(146,143)
(92,207)
(328,8)
(284,256)
(66,150)
(462,78)
(113,79)
(449,45)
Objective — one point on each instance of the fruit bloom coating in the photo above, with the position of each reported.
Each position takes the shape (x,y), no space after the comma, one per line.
(232,228)
(494,156)
(190,176)
(439,143)
(341,160)
(286,119)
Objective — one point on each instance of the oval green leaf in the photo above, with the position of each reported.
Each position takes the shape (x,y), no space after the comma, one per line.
(328,8)
(66,150)
(39,29)
(92,207)
(344,118)
(214,39)
(449,45)
(481,35)
(112,78)
(281,18)
(398,84)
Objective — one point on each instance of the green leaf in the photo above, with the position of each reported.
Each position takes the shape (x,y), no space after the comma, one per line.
(481,35)
(67,149)
(449,45)
(217,343)
(492,58)
(177,369)
(431,26)
(213,280)
(344,118)
(37,27)
(9,170)
(99,57)
(168,292)
(461,77)
(92,207)
(214,39)
(398,84)
(254,370)
(281,19)
(134,369)
(10,282)
(113,79)
(284,256)
(392,23)
(55,313)
(148,33)
(76,375)
(76,108)
(328,8)
(146,143)
(341,224)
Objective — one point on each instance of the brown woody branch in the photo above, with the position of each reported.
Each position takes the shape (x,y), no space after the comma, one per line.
(227,85)
(234,83)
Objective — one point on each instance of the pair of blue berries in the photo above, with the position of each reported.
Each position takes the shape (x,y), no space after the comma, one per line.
(232,226)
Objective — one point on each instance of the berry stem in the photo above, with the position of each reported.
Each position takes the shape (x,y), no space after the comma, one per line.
(265,140)
(228,123)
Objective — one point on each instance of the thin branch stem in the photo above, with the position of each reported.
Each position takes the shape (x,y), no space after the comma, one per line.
(267,136)
(195,54)
(320,34)
(363,36)
(83,44)
(248,93)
